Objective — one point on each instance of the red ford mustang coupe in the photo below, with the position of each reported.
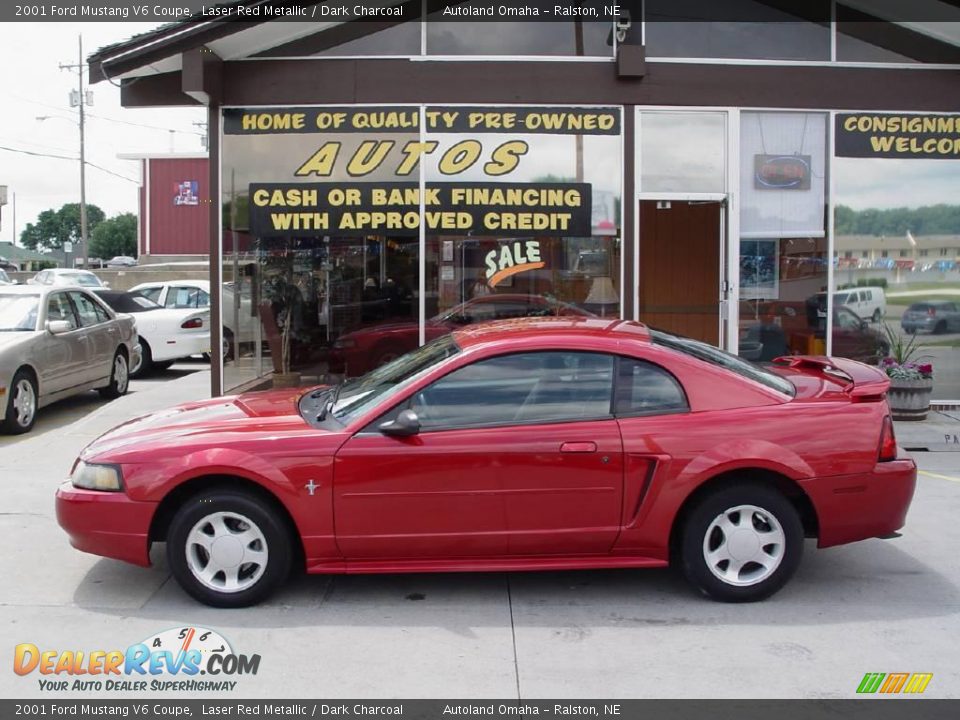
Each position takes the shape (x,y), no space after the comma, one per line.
(527,444)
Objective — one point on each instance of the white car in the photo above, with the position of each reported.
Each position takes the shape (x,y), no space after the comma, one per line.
(166,334)
(4,278)
(66,276)
(196,294)
(867,303)
(121,261)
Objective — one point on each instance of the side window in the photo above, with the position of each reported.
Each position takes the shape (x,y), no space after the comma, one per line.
(519,389)
(59,308)
(87,310)
(647,389)
(151,292)
(183,297)
(864,296)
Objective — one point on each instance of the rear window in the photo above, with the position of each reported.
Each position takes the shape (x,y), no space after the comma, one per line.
(920,307)
(716,356)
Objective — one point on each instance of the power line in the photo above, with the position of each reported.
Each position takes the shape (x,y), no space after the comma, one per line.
(71,159)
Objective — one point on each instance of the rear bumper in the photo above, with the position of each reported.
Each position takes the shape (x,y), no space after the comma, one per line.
(180,346)
(105,523)
(858,507)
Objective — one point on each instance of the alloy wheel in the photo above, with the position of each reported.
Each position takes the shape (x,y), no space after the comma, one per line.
(24,402)
(226,552)
(744,545)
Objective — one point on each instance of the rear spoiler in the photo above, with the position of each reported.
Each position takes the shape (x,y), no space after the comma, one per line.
(863,382)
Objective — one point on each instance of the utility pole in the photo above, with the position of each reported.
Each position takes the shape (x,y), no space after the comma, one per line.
(81,100)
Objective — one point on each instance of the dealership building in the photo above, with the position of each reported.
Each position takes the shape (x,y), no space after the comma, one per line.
(374,182)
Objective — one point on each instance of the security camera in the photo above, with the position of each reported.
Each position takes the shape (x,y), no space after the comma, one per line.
(623,25)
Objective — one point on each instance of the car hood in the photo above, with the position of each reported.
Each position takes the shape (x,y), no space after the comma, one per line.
(14,338)
(218,422)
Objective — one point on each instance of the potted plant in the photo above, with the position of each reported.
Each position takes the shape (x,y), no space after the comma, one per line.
(281,292)
(911,380)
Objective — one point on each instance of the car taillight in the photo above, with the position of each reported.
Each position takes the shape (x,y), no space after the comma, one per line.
(888,442)
(192,324)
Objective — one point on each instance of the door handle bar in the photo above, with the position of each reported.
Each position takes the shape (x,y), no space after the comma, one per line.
(578,447)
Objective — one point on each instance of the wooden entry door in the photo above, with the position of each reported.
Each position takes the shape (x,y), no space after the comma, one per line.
(679,279)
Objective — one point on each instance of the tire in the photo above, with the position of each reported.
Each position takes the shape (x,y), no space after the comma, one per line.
(877,316)
(161,366)
(259,534)
(771,517)
(21,411)
(940,328)
(119,377)
(146,361)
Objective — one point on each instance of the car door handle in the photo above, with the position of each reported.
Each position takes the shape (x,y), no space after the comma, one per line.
(578,447)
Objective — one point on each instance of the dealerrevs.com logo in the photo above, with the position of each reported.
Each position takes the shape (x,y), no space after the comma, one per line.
(894,683)
(176,660)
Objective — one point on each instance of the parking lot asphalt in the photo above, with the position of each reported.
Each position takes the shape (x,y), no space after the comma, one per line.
(875,606)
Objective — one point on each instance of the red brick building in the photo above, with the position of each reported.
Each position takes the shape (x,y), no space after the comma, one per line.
(174,206)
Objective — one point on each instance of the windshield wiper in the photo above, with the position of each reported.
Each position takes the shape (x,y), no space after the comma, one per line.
(331,400)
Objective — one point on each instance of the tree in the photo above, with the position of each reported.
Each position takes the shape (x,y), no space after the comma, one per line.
(116,236)
(55,227)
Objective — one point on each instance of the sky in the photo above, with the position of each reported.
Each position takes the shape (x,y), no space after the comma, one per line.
(34,85)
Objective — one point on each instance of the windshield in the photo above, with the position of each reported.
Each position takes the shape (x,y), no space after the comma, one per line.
(18,312)
(83,279)
(358,395)
(716,356)
(3,276)
(131,302)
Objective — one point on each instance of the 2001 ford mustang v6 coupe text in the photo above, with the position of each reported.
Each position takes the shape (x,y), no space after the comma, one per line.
(526,444)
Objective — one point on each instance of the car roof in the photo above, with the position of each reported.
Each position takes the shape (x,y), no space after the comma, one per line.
(554,328)
(40,289)
(934,302)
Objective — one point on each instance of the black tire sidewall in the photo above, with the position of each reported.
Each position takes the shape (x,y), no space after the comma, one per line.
(146,360)
(267,519)
(10,424)
(111,391)
(771,501)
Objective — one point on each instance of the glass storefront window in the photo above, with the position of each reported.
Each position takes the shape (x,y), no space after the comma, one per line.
(683,152)
(900,221)
(783,244)
(742,29)
(463,37)
(323,212)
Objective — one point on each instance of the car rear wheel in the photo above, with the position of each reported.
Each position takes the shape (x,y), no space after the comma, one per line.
(228,549)
(146,361)
(877,316)
(940,329)
(21,404)
(119,377)
(741,543)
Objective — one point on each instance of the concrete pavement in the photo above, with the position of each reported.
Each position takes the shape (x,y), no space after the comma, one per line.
(878,606)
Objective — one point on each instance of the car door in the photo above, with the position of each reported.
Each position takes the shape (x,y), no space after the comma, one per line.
(63,358)
(102,333)
(517,454)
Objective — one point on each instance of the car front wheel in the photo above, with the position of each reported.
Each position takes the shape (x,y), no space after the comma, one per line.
(228,549)
(21,410)
(742,543)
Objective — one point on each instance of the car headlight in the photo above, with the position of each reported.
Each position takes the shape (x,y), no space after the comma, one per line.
(96,477)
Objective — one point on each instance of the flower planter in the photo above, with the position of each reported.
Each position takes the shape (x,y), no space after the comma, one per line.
(288,380)
(910,399)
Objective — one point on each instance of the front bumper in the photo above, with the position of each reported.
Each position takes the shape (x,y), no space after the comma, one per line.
(858,507)
(109,524)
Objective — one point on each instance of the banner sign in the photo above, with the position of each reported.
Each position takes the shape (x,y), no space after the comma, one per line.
(518,120)
(482,208)
(898,136)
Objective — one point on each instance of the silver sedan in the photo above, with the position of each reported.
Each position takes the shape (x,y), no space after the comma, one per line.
(56,342)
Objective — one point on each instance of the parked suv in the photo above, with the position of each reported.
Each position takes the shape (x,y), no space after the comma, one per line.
(935,316)
(867,303)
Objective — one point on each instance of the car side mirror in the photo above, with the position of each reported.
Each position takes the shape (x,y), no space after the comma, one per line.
(406,424)
(58,327)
